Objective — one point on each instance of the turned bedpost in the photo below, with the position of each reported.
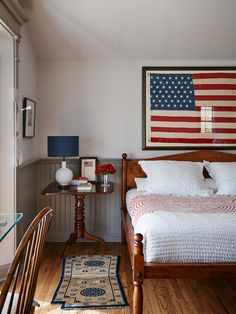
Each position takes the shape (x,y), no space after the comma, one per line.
(124,179)
(138,274)
(123,194)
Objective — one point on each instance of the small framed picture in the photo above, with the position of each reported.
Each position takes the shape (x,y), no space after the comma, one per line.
(29,113)
(88,166)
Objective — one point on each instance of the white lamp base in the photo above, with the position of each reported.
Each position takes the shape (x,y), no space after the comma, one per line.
(64,175)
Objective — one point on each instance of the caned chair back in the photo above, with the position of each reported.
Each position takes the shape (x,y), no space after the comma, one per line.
(19,287)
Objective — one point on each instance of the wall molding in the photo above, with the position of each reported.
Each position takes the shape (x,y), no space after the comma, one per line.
(16,11)
(13,16)
(61,236)
(27,163)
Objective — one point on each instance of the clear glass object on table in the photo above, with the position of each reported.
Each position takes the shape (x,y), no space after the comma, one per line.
(105,182)
(8,222)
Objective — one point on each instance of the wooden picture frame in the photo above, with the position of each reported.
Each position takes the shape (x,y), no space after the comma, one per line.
(88,166)
(188,108)
(29,114)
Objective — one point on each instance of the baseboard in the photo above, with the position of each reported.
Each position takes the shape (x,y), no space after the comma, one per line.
(3,271)
(63,236)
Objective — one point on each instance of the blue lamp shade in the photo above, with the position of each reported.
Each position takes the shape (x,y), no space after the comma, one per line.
(63,146)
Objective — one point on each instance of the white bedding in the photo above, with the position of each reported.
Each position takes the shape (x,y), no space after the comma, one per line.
(184,229)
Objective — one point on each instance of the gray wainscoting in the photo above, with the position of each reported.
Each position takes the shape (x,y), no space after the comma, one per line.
(26,192)
(102,214)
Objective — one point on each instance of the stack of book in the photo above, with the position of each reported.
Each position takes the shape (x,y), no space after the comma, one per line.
(82,184)
(83,180)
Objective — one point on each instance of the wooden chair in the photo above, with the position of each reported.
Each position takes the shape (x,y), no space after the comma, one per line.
(19,287)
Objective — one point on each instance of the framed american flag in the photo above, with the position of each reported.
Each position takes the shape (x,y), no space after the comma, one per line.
(189,108)
(88,166)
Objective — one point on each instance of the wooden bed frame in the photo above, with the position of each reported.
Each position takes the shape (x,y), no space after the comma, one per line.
(140,269)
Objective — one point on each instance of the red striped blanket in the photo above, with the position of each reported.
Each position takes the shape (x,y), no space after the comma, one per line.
(140,205)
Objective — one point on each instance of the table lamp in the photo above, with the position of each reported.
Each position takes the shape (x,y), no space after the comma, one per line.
(63,146)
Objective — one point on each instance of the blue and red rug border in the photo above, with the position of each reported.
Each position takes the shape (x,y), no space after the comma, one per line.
(64,307)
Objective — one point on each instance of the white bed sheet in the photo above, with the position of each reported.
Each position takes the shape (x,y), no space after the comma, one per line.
(188,235)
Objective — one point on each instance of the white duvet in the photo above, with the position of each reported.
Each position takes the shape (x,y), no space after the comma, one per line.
(185,229)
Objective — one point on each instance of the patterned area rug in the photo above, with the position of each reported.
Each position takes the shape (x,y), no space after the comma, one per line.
(90,282)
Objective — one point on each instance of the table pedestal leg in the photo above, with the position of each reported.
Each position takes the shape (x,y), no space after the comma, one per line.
(79,226)
(92,237)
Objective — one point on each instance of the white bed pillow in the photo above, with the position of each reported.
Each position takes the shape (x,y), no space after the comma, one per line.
(224,174)
(211,184)
(174,177)
(141,184)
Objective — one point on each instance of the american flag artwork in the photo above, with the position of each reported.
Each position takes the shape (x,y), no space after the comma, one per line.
(190,108)
(88,164)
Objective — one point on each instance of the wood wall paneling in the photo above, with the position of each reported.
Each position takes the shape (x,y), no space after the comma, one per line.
(102,214)
(26,193)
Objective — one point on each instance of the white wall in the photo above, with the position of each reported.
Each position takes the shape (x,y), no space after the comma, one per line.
(28,88)
(7,140)
(88,99)
(98,100)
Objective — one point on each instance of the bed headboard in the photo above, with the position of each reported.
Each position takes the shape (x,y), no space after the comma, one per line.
(131,169)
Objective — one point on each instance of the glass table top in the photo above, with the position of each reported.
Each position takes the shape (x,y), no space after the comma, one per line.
(8,222)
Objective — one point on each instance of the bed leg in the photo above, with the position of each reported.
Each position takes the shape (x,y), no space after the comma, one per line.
(137,299)
(138,274)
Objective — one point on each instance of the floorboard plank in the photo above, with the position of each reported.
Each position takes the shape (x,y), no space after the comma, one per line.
(161,296)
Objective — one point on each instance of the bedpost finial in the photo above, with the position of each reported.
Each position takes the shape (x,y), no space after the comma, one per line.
(124,155)
(138,237)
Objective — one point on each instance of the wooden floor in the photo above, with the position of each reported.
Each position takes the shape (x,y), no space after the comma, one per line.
(160,296)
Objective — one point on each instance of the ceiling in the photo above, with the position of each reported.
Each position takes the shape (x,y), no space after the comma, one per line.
(132,29)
